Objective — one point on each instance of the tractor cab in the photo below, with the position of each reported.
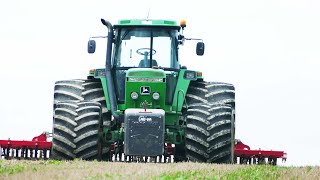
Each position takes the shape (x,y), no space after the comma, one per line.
(140,46)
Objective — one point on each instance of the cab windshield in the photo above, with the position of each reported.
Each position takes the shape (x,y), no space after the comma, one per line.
(146,48)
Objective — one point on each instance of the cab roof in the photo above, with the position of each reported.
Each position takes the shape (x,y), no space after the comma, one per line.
(146,23)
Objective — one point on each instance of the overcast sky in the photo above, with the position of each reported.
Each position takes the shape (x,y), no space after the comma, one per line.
(270,51)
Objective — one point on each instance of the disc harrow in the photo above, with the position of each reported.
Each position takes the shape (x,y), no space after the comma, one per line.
(40,148)
(37,148)
(244,155)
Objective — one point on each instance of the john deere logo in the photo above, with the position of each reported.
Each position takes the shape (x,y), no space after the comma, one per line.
(145,90)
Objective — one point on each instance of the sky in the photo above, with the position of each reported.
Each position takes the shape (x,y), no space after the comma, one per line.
(269,49)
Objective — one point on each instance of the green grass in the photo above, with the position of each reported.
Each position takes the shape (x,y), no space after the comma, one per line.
(18,167)
(184,175)
(100,176)
(255,173)
(11,169)
(248,172)
(54,162)
(93,170)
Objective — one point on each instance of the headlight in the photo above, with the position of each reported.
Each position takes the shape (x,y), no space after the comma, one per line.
(190,75)
(156,96)
(134,95)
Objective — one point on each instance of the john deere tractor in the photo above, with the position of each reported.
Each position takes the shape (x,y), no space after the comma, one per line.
(144,105)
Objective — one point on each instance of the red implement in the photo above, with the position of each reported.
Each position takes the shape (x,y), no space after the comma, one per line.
(38,148)
(244,155)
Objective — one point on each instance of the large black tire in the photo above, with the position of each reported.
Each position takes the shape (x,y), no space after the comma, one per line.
(79,90)
(209,133)
(93,91)
(87,130)
(75,130)
(63,131)
(211,93)
(68,90)
(202,98)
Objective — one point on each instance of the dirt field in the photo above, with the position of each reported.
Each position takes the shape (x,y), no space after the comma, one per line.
(13,169)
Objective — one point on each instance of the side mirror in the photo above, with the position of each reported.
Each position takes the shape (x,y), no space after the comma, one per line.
(200,48)
(91,46)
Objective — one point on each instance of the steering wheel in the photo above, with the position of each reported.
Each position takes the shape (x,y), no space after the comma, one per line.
(142,51)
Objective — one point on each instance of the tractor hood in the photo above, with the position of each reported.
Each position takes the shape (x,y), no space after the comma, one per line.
(145,88)
(146,73)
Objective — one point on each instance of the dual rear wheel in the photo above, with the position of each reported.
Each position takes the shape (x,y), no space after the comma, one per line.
(210,123)
(75,130)
(79,113)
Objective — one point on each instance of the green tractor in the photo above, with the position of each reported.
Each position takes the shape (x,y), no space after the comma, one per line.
(143,105)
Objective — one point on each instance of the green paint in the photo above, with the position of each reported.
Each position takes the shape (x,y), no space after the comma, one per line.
(180,93)
(146,73)
(145,99)
(105,91)
(141,78)
(107,136)
(172,118)
(122,107)
(103,83)
(175,134)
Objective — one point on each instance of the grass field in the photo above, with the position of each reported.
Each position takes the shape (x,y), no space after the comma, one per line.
(14,169)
